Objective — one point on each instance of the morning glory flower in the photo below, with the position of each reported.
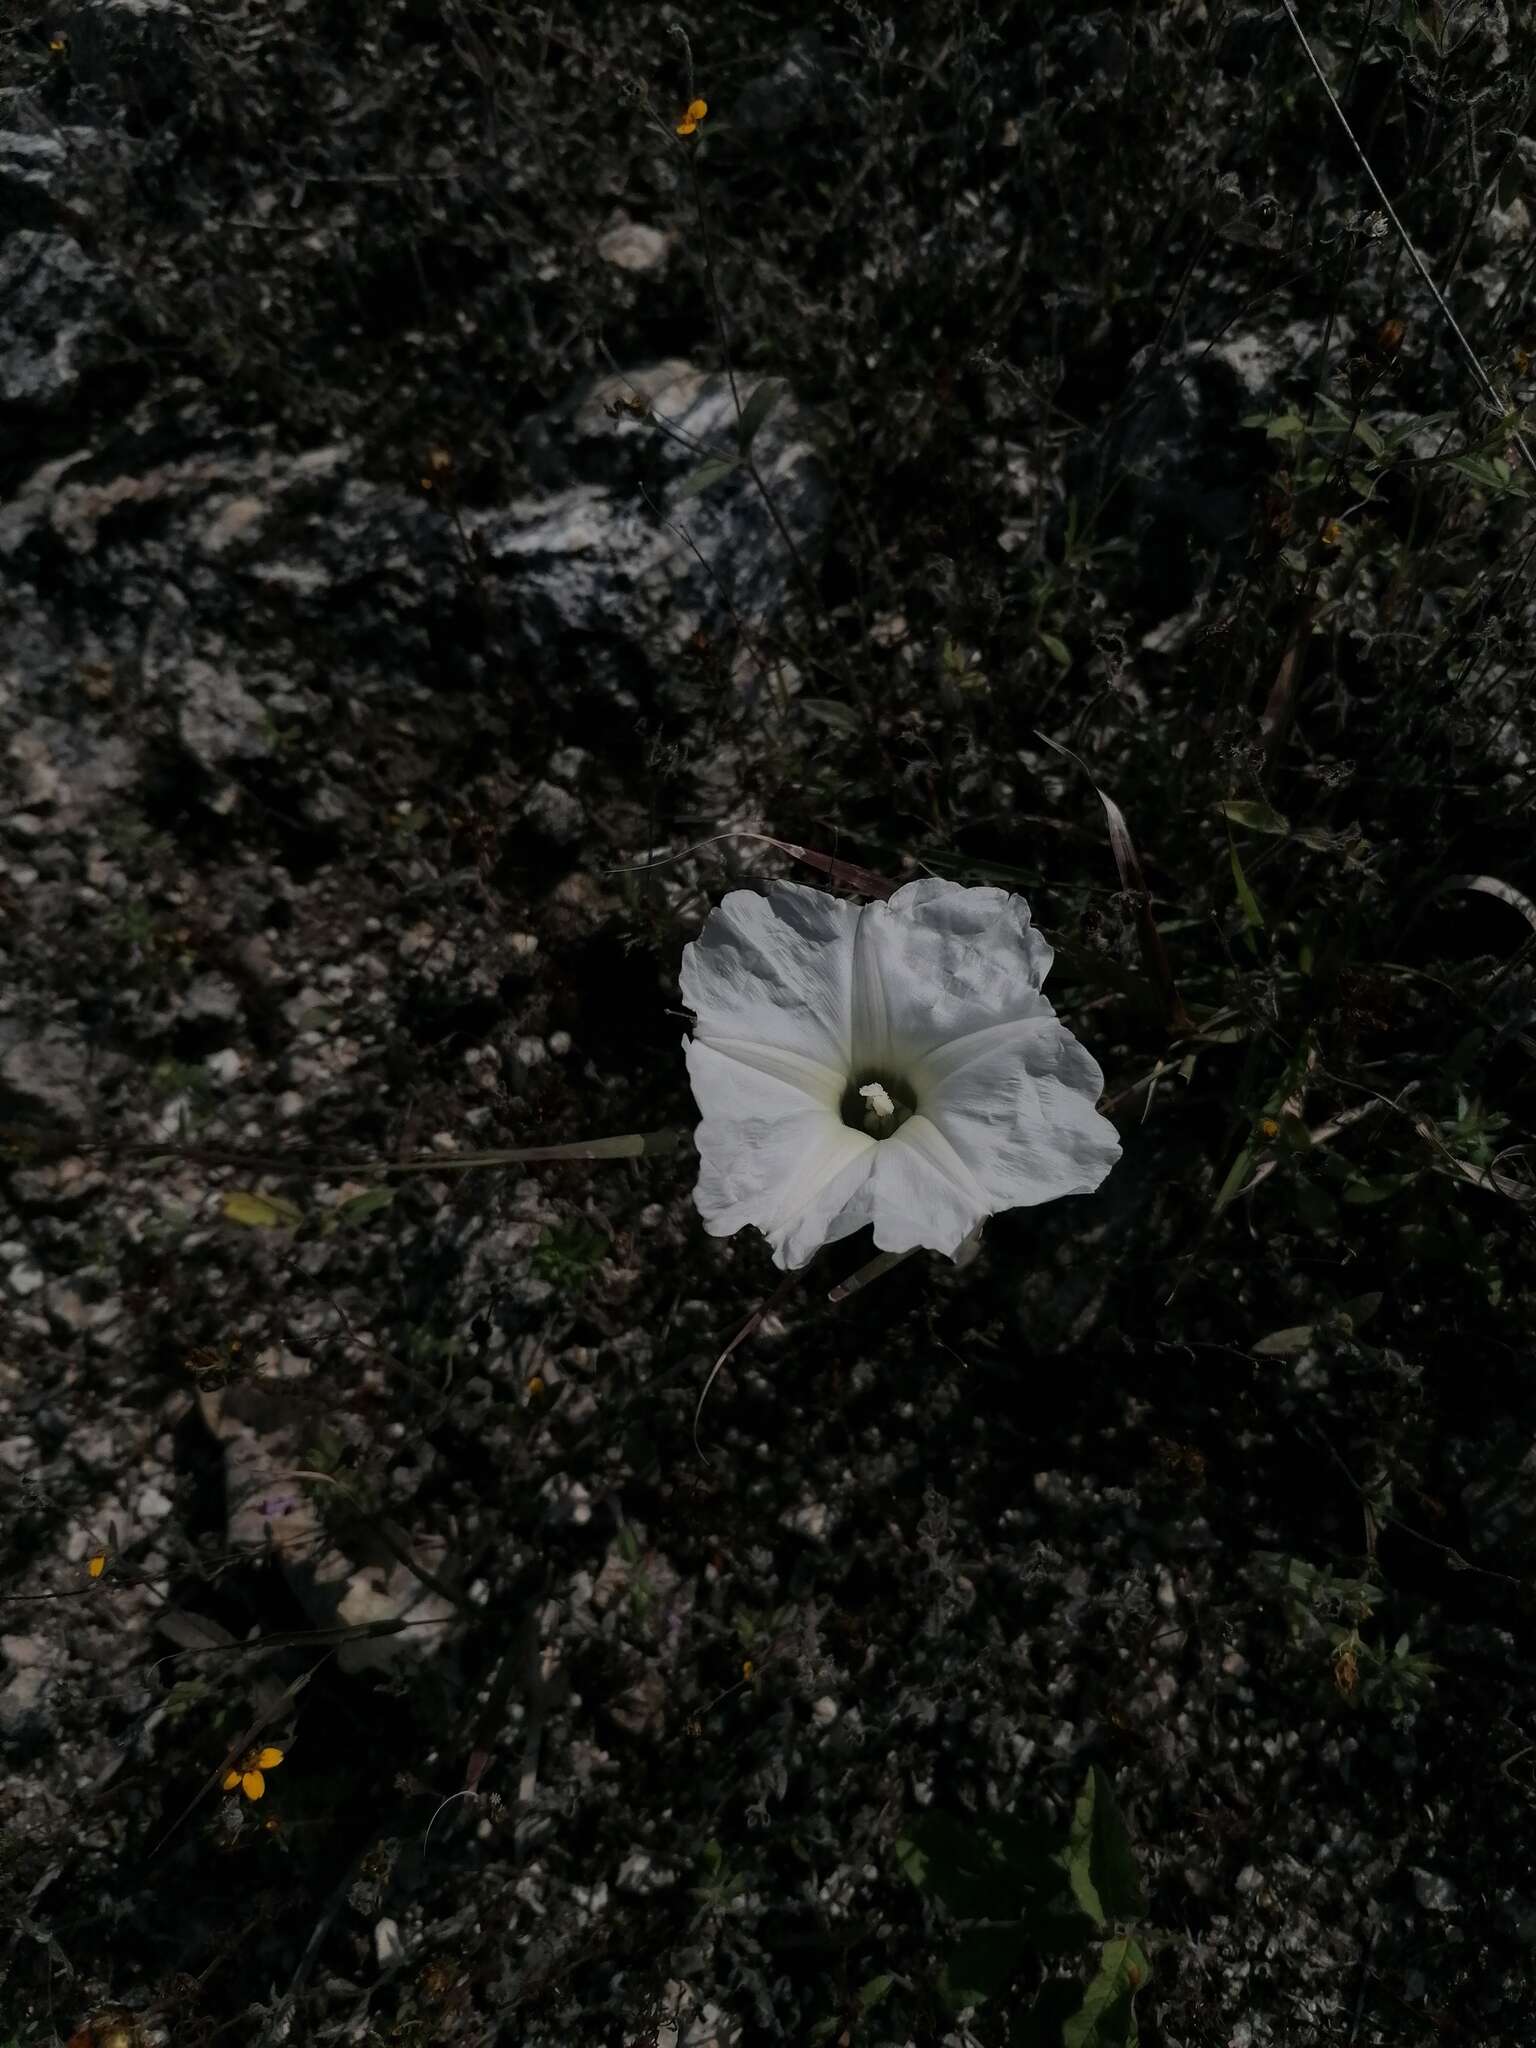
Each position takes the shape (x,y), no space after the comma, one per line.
(889,1063)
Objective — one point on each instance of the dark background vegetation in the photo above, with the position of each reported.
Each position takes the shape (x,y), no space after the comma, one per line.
(1135,427)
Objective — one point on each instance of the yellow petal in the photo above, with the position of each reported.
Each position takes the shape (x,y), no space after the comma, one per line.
(697,109)
(268,1759)
(231,1781)
(686,127)
(253,1784)
(97,1566)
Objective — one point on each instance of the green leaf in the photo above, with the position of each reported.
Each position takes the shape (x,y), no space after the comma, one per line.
(1315,1206)
(710,471)
(261,1212)
(1107,2016)
(1285,426)
(1247,902)
(360,1207)
(871,1994)
(1493,473)
(1098,1859)
(943,1856)
(981,1870)
(1361,1309)
(1057,649)
(982,1965)
(841,717)
(1365,432)
(757,409)
(1362,1193)
(1254,817)
(1043,2025)
(1236,1180)
(1030,1849)
(1285,1343)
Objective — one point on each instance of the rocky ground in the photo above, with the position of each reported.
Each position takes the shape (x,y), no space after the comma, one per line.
(386,579)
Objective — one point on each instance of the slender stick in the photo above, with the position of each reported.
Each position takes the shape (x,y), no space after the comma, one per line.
(1484,381)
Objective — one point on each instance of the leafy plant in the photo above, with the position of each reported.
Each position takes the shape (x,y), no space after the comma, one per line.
(567,1255)
(1018,1893)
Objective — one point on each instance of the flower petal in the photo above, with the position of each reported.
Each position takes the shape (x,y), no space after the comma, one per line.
(822,1085)
(925,1194)
(776,970)
(231,1780)
(1017,1105)
(253,1784)
(937,962)
(771,1156)
(268,1759)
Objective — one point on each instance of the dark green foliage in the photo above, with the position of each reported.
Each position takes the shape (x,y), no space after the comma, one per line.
(1020,1895)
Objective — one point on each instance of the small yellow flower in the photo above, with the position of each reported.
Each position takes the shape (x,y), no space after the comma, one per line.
(97,1565)
(247,1774)
(536,1387)
(692,116)
(747,1667)
(1268,1127)
(58,45)
(1333,533)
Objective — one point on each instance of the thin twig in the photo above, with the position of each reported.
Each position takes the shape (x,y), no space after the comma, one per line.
(763,1309)
(1484,381)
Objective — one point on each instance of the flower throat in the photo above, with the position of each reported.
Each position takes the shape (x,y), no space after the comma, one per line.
(878,1104)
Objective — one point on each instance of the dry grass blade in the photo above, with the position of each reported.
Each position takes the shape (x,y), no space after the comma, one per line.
(1154,954)
(863,881)
(1490,885)
(632,1145)
(763,1308)
(1486,1177)
(873,1270)
(1318,1136)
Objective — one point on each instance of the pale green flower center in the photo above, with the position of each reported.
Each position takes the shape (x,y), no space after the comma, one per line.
(878,1104)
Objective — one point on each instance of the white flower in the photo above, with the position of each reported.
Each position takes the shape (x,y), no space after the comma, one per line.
(888,1063)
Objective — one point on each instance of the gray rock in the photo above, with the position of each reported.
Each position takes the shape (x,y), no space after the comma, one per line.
(48,172)
(601,573)
(220,722)
(69,771)
(1434,1892)
(618,545)
(554,813)
(56,305)
(1190,471)
(212,999)
(23,1704)
(631,245)
(42,1076)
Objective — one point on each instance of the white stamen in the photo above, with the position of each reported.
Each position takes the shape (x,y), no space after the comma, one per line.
(879,1101)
